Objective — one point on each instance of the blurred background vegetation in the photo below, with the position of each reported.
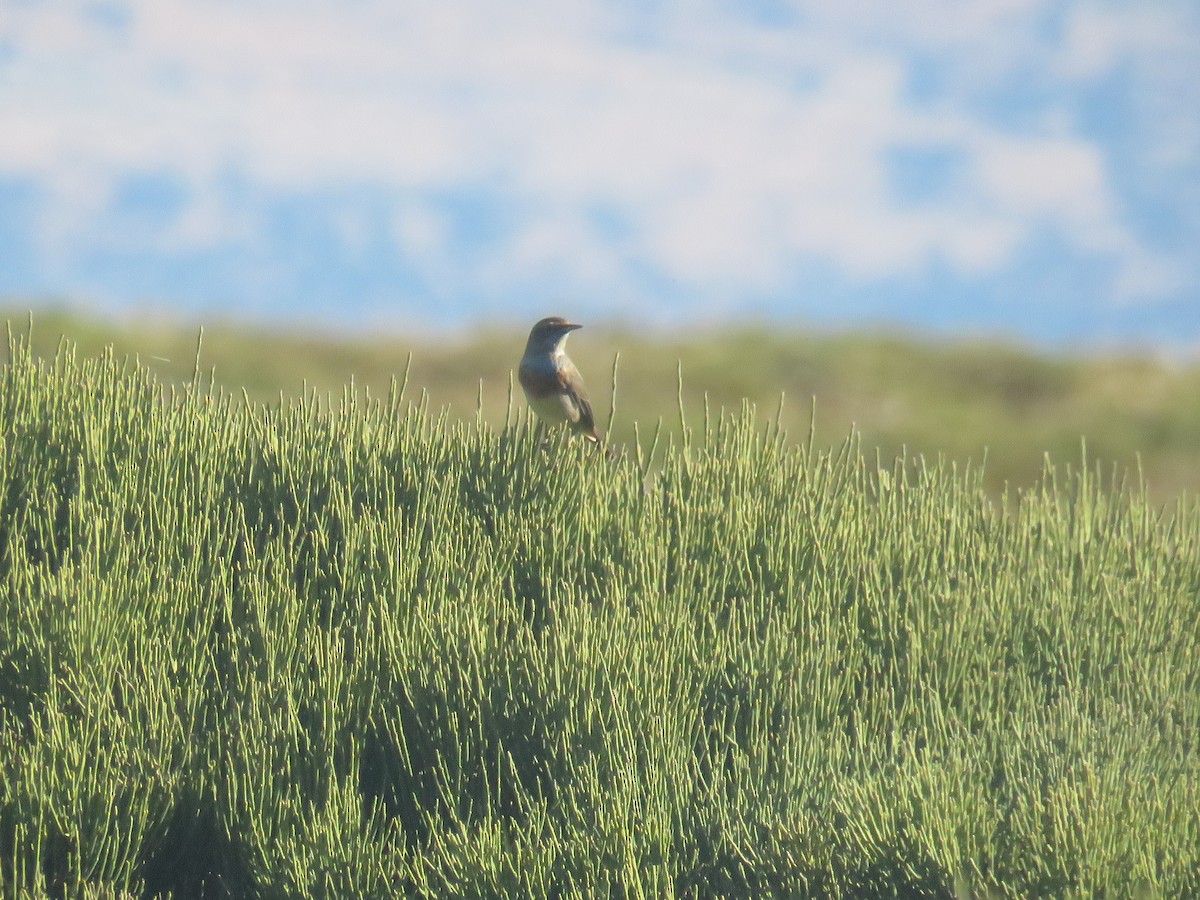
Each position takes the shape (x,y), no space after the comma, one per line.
(956,399)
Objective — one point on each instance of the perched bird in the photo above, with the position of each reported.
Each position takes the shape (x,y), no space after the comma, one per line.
(552,384)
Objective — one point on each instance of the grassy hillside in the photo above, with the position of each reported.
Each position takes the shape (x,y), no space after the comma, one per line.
(957,400)
(334,650)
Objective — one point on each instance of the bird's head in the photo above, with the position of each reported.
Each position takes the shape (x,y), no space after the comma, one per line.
(549,333)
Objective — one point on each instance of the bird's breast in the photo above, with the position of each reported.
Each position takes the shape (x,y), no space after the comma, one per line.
(539,377)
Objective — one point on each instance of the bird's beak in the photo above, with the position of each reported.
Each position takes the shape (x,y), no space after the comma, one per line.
(570,326)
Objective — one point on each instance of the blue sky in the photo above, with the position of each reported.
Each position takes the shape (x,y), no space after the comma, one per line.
(1022,167)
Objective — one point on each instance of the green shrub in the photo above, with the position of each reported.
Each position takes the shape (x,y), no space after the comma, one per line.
(345,648)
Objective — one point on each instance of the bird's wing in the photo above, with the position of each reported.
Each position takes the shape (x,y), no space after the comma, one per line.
(571,383)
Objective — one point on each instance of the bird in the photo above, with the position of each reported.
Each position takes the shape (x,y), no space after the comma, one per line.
(552,385)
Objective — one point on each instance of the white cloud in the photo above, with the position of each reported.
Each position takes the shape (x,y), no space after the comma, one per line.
(728,150)
(1045,177)
(1098,37)
(420,229)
